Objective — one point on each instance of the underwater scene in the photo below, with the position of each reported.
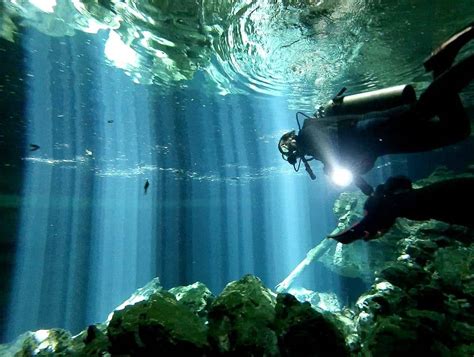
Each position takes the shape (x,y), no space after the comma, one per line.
(236,177)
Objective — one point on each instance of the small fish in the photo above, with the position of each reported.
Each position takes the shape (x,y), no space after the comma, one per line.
(147,184)
(110,121)
(34,147)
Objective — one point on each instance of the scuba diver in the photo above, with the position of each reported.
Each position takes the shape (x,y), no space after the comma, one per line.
(397,198)
(352,131)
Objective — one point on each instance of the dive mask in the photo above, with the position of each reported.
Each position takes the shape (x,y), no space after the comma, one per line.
(287,147)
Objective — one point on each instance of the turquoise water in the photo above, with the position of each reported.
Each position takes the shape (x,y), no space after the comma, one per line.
(192,99)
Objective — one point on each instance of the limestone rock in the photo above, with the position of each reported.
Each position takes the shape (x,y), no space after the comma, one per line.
(421,303)
(158,323)
(197,297)
(241,319)
(304,331)
(39,343)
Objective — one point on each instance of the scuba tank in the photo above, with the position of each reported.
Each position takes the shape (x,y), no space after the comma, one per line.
(376,100)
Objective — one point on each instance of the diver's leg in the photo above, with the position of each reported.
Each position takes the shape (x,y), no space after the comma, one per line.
(408,134)
(454,122)
(443,57)
(439,93)
(428,136)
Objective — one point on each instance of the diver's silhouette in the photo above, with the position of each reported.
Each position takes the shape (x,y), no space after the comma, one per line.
(353,131)
(397,198)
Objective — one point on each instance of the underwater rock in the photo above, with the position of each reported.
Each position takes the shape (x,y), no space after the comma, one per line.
(241,319)
(41,342)
(362,259)
(151,288)
(359,259)
(455,269)
(158,323)
(91,342)
(197,297)
(382,299)
(394,335)
(312,297)
(421,303)
(303,331)
(404,275)
(246,319)
(318,301)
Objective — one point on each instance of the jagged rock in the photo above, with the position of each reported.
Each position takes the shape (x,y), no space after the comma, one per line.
(462,351)
(404,275)
(462,332)
(381,300)
(153,287)
(318,301)
(420,304)
(312,297)
(425,304)
(303,331)
(346,324)
(91,342)
(459,308)
(363,259)
(455,267)
(395,335)
(428,297)
(360,259)
(158,323)
(241,319)
(328,302)
(197,297)
(39,343)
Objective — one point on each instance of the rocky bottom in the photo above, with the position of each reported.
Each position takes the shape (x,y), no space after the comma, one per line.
(420,303)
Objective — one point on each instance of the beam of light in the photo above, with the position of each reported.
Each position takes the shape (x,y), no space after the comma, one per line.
(288,220)
(85,241)
(24,309)
(342,177)
(122,214)
(120,53)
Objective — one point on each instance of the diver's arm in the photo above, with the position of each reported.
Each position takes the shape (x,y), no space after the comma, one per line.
(440,201)
(363,185)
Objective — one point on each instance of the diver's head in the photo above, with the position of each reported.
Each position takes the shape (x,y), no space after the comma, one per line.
(288,147)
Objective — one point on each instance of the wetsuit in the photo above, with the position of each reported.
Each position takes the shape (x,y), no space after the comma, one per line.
(354,142)
(440,201)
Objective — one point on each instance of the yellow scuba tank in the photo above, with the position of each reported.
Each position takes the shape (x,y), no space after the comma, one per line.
(366,102)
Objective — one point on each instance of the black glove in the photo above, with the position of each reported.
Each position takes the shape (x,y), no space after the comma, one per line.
(381,210)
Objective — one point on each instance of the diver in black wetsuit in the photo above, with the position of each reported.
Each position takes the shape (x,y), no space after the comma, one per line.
(397,198)
(355,130)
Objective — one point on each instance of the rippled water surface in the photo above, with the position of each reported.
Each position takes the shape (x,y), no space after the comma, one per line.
(139,139)
(304,50)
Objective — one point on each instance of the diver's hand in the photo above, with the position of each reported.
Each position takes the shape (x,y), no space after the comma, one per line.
(381,210)
(357,231)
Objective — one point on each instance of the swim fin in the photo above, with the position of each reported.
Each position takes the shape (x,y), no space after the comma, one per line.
(443,57)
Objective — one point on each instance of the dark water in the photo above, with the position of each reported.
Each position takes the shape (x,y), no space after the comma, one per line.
(79,234)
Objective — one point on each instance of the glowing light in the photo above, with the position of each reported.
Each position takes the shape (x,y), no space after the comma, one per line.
(342,177)
(120,53)
(44,5)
